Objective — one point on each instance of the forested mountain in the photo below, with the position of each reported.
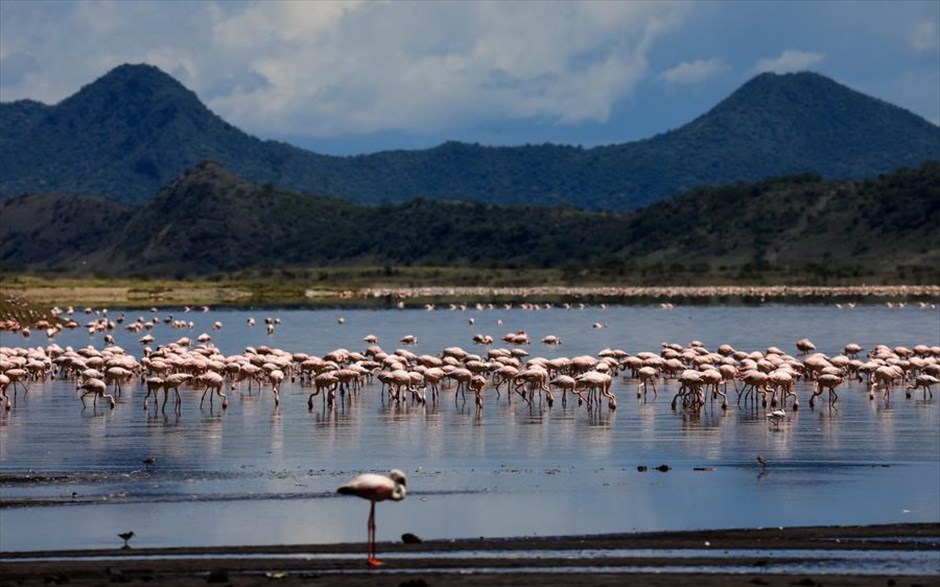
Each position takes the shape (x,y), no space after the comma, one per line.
(136,129)
(209,221)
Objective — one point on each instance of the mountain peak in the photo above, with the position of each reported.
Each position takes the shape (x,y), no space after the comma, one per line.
(138,71)
(141,84)
(815,118)
(799,92)
(136,129)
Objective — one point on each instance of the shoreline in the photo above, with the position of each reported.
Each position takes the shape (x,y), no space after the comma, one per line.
(542,560)
(196,294)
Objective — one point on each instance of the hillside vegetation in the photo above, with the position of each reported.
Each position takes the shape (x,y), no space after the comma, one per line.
(211,223)
(134,130)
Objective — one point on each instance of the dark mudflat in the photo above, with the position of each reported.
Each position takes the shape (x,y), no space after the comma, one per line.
(411,564)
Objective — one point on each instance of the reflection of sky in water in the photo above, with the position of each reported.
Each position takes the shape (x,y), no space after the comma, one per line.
(260,475)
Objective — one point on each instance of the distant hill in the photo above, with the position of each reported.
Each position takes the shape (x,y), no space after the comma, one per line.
(209,222)
(43,230)
(136,129)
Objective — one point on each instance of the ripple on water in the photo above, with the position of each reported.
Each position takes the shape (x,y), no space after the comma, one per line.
(511,470)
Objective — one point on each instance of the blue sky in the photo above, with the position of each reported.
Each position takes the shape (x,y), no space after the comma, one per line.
(358,77)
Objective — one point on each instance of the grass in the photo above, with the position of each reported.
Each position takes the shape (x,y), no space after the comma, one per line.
(25,312)
(274,286)
(386,285)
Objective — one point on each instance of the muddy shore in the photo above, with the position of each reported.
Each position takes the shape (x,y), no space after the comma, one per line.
(442,562)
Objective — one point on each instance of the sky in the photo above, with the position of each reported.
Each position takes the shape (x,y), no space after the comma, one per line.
(356,77)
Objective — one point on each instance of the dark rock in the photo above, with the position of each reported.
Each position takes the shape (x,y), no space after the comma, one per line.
(218,576)
(409,538)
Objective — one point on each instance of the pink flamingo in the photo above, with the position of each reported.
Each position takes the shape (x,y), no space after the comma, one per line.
(823,382)
(97,388)
(214,382)
(4,398)
(375,488)
(923,381)
(647,376)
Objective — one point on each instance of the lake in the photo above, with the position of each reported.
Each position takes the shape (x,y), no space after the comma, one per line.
(260,474)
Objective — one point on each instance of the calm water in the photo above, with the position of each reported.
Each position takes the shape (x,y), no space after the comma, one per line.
(257,474)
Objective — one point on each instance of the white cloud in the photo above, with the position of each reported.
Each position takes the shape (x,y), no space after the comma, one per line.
(694,72)
(924,36)
(333,68)
(428,67)
(789,61)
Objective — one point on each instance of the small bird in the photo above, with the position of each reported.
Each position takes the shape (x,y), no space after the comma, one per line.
(375,488)
(761,461)
(126,536)
(776,417)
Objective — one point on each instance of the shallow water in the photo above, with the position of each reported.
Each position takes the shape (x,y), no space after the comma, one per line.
(790,561)
(257,474)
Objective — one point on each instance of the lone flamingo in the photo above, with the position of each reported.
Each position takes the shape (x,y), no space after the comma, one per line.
(375,488)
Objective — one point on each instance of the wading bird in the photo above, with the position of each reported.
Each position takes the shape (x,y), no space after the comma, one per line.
(375,488)
(776,417)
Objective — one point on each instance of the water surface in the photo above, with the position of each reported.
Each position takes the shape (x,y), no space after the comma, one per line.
(260,474)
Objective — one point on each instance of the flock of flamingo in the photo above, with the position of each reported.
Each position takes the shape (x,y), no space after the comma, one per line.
(705,377)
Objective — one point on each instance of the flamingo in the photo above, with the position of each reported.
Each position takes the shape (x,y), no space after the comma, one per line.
(4,398)
(647,376)
(923,381)
(805,346)
(154,385)
(824,382)
(16,376)
(97,388)
(375,488)
(214,382)
(477,382)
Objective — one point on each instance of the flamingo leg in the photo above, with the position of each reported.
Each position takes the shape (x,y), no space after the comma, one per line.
(371,541)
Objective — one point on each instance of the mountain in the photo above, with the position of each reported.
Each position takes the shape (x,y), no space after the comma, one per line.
(126,135)
(134,130)
(52,230)
(209,222)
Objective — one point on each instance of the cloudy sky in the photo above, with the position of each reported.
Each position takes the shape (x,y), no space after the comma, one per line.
(358,77)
